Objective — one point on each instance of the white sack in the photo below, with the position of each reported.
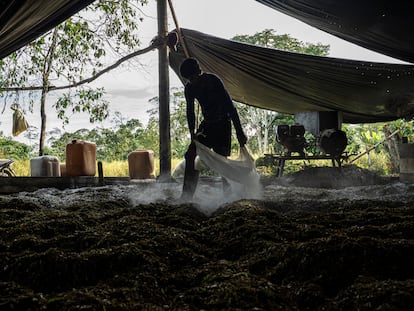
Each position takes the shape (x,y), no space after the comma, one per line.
(241,170)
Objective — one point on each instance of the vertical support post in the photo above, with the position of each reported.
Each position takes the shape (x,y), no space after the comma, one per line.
(164,95)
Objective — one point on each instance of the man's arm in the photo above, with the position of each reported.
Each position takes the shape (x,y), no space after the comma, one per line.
(241,137)
(234,115)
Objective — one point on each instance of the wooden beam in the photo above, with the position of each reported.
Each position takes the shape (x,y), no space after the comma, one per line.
(164,95)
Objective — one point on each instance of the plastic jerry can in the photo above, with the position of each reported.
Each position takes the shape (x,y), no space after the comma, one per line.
(44,166)
(80,158)
(141,164)
(63,169)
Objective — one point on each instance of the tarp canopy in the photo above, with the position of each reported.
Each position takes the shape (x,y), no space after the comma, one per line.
(22,21)
(289,82)
(380,25)
(277,80)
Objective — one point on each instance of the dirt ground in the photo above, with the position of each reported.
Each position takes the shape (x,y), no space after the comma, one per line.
(320,239)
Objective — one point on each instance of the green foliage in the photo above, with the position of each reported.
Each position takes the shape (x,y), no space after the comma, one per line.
(351,134)
(406,129)
(111,144)
(311,146)
(268,38)
(22,167)
(85,100)
(151,137)
(180,136)
(11,149)
(364,136)
(378,162)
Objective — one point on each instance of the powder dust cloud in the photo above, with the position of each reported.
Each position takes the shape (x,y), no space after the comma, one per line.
(209,194)
(306,186)
(208,197)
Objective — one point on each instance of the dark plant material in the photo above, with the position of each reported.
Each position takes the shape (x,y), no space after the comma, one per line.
(249,255)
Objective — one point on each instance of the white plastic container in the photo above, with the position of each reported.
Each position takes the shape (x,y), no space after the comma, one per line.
(45,166)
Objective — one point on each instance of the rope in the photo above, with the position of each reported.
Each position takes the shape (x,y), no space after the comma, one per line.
(180,35)
(184,45)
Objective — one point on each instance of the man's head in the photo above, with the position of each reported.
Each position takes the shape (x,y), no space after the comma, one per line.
(189,68)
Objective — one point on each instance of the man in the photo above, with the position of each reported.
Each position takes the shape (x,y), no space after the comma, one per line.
(218,112)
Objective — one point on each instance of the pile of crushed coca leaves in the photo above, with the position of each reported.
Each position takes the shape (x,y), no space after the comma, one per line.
(110,254)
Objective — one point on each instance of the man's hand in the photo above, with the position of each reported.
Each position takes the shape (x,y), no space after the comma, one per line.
(242,139)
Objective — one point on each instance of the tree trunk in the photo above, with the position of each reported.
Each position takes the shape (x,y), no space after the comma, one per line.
(369,156)
(259,140)
(45,89)
(43,122)
(266,131)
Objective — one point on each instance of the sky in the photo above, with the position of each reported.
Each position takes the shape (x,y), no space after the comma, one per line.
(129,89)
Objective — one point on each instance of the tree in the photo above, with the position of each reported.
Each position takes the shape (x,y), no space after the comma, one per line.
(180,136)
(13,149)
(369,136)
(262,121)
(268,38)
(112,144)
(120,142)
(72,51)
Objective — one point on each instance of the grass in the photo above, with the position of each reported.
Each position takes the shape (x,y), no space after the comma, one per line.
(110,169)
(22,167)
(379,164)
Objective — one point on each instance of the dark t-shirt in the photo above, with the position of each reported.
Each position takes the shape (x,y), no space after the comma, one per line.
(212,96)
(217,108)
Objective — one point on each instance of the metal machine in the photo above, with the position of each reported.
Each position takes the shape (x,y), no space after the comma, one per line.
(332,142)
(292,138)
(324,125)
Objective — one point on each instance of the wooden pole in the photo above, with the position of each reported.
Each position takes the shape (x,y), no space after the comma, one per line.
(164,95)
